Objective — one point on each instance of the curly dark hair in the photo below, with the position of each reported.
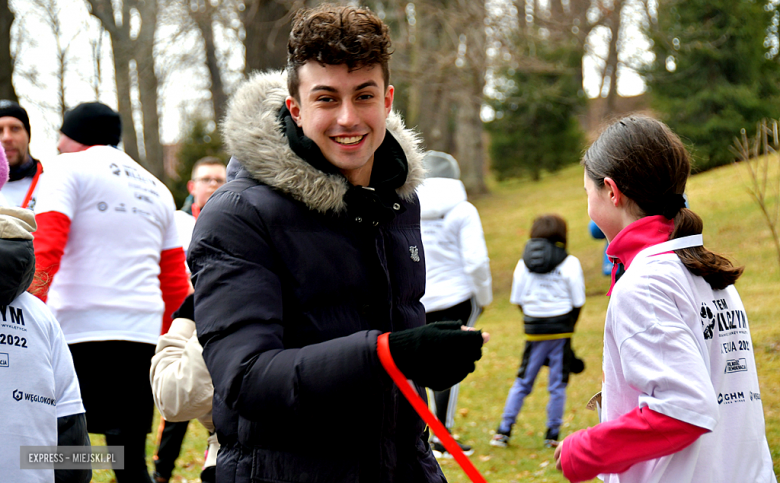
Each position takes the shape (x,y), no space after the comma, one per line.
(334,35)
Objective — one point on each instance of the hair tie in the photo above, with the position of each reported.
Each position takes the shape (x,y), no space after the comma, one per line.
(671,205)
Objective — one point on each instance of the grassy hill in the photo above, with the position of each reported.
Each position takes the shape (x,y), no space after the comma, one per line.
(732,226)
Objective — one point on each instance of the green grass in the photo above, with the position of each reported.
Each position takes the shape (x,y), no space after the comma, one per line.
(732,226)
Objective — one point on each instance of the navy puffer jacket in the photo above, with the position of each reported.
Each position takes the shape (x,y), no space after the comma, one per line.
(294,280)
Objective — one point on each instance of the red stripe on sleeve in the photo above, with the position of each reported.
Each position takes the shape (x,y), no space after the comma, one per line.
(49,242)
(174,283)
(613,447)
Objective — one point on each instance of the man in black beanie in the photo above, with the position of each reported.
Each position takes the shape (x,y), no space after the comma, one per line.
(122,274)
(89,124)
(25,170)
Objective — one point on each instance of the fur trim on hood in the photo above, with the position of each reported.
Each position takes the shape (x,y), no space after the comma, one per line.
(254,135)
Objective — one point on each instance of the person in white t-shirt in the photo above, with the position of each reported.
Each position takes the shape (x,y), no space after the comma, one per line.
(549,288)
(39,391)
(111,264)
(21,188)
(458,283)
(680,395)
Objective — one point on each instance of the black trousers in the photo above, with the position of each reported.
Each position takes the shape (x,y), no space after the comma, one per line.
(169,446)
(114,382)
(466,313)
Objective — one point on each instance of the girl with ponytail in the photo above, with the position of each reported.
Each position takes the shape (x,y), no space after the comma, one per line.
(680,395)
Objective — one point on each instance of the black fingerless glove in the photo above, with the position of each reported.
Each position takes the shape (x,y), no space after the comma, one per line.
(437,355)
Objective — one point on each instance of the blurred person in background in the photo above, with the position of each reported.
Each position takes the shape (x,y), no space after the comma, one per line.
(208,174)
(458,283)
(182,385)
(549,287)
(25,171)
(111,268)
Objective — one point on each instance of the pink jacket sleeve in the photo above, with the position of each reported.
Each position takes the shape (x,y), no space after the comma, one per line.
(614,446)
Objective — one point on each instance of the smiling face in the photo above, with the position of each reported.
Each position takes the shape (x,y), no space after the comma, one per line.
(15,140)
(344,112)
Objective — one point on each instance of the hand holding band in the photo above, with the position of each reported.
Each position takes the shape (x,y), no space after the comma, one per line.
(437,355)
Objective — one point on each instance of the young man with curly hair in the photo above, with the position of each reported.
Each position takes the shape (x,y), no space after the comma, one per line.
(310,254)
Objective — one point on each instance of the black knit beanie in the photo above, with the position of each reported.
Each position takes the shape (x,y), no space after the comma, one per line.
(12,109)
(92,124)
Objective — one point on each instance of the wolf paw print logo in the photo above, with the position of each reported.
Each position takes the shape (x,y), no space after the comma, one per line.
(707,321)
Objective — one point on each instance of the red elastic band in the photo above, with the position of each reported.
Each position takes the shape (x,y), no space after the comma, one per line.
(31,189)
(383,349)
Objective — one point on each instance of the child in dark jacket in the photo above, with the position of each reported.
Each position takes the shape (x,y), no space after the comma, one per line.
(549,288)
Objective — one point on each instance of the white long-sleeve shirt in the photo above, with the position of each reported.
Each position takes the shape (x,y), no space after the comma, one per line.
(456,257)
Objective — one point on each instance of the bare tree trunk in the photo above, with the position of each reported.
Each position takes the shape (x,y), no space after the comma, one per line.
(416,84)
(147,87)
(205,22)
(49,14)
(430,73)
(267,25)
(468,125)
(121,47)
(436,106)
(468,143)
(577,22)
(611,66)
(53,19)
(124,106)
(96,50)
(7,90)
(61,69)
(556,10)
(430,112)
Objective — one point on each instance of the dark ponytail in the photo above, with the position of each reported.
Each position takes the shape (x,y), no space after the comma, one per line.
(650,165)
(716,269)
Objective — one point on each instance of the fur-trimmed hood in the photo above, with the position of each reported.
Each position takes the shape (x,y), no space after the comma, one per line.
(254,135)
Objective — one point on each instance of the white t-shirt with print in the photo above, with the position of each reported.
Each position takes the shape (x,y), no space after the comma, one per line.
(16,191)
(122,218)
(38,384)
(549,294)
(673,344)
